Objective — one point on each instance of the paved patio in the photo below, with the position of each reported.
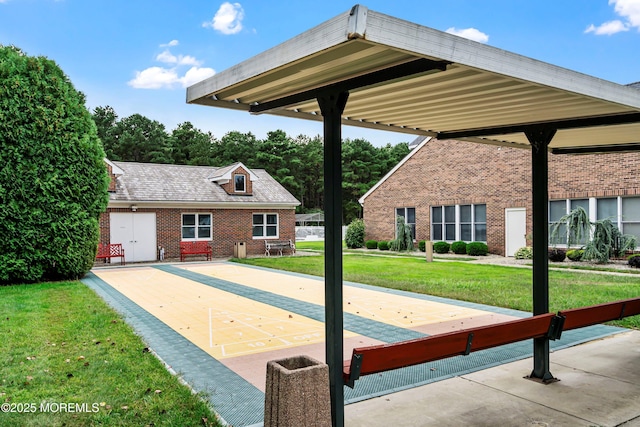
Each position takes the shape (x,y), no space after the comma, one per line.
(217,324)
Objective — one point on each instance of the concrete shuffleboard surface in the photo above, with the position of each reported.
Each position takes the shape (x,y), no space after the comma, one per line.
(218,324)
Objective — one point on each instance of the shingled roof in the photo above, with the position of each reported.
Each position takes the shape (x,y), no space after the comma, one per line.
(160,183)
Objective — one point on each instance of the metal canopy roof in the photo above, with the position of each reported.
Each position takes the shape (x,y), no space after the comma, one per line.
(404,77)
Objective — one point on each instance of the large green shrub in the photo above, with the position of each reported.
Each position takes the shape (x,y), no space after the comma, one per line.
(477,249)
(422,246)
(371,244)
(53,180)
(383,245)
(354,237)
(441,247)
(459,247)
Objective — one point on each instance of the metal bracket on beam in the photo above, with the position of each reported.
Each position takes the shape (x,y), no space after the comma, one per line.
(555,327)
(354,371)
(467,350)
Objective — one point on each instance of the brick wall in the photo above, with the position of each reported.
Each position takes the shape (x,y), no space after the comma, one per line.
(454,172)
(229,226)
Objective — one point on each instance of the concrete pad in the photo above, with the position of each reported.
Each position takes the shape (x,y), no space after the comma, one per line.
(598,386)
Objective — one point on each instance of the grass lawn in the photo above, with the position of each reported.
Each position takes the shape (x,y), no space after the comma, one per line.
(495,285)
(61,344)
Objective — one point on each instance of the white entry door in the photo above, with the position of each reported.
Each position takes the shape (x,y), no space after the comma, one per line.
(515,230)
(137,233)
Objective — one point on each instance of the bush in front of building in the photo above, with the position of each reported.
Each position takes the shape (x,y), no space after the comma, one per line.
(524,253)
(557,255)
(575,254)
(441,247)
(371,244)
(459,247)
(354,237)
(383,245)
(634,261)
(53,179)
(422,246)
(477,249)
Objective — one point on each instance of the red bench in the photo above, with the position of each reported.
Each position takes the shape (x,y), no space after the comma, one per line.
(195,248)
(111,250)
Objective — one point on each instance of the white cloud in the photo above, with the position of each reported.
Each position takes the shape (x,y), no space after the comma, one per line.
(608,28)
(168,58)
(469,33)
(196,74)
(628,10)
(170,44)
(154,78)
(228,19)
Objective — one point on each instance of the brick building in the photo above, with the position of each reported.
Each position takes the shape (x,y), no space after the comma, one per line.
(454,190)
(155,205)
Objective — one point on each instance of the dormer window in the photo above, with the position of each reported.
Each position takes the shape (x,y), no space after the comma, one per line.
(239,184)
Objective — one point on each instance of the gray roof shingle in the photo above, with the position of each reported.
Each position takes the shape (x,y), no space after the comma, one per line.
(149,182)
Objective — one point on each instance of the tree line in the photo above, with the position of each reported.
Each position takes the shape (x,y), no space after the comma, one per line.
(295,162)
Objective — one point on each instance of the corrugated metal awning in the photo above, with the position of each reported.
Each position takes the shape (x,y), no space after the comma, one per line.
(404,77)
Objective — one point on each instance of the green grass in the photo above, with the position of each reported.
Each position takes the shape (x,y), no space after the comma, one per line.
(62,344)
(499,286)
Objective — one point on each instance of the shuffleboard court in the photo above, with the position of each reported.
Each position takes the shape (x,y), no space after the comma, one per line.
(392,309)
(221,323)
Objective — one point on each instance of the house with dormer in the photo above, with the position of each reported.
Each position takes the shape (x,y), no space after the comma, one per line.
(154,207)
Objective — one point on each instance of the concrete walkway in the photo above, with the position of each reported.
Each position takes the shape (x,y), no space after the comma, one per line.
(217,324)
(599,386)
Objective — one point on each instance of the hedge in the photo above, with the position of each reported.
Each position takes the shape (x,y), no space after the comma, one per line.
(371,244)
(441,247)
(477,249)
(53,179)
(459,247)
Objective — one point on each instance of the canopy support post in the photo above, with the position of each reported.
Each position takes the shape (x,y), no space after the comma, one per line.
(332,106)
(540,137)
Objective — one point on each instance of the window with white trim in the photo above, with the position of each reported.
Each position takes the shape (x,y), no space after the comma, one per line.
(630,220)
(265,226)
(624,212)
(409,216)
(196,226)
(239,183)
(459,222)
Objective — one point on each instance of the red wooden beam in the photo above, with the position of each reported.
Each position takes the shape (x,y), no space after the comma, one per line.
(595,314)
(397,355)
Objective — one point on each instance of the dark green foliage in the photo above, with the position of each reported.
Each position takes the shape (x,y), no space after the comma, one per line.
(441,247)
(53,180)
(477,249)
(422,246)
(634,261)
(606,240)
(383,245)
(557,255)
(459,247)
(404,241)
(371,244)
(354,237)
(575,254)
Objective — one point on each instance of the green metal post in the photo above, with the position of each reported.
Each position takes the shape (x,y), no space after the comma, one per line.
(540,139)
(332,105)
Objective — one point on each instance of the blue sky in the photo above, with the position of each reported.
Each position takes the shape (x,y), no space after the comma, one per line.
(139,55)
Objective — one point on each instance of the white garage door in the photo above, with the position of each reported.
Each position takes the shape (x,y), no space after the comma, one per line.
(137,233)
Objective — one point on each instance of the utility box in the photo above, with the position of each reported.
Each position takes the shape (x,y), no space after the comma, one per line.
(239,250)
(297,393)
